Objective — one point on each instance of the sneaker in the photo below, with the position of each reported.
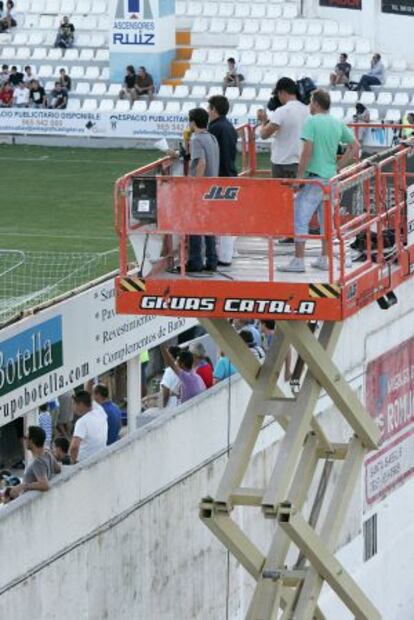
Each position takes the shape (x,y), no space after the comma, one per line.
(188,268)
(321,263)
(223,264)
(296,265)
(286,240)
(210,268)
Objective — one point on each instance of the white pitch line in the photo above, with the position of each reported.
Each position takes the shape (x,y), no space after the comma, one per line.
(43,158)
(68,161)
(9,233)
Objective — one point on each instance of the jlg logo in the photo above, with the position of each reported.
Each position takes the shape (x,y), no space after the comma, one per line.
(221,193)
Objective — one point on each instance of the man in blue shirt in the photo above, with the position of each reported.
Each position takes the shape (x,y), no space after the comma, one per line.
(113,413)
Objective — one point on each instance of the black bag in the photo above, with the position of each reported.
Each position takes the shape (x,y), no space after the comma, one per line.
(306,86)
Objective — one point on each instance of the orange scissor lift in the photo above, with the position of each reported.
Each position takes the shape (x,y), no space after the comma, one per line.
(372,202)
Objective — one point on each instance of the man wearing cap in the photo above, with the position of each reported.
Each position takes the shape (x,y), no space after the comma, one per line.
(202,364)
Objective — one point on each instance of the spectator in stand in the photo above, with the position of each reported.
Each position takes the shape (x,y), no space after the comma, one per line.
(322,134)
(4,74)
(45,422)
(267,329)
(8,21)
(61,450)
(113,413)
(257,350)
(66,34)
(223,369)
(408,132)
(223,129)
(65,416)
(144,84)
(15,77)
(58,98)
(205,160)
(170,382)
(191,384)
(21,96)
(202,363)
(91,429)
(28,75)
(41,469)
(233,76)
(128,89)
(37,95)
(6,96)
(374,77)
(342,71)
(240,324)
(64,80)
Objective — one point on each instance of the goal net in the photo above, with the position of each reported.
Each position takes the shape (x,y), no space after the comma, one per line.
(28,279)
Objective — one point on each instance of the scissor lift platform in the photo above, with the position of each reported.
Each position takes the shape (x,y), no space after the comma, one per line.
(372,202)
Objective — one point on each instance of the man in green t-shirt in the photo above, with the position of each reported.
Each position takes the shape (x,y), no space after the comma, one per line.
(321,135)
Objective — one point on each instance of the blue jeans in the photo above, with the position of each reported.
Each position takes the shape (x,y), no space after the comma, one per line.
(308,200)
(195,259)
(367,81)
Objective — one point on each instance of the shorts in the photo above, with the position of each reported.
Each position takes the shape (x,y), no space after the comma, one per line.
(284,171)
(308,201)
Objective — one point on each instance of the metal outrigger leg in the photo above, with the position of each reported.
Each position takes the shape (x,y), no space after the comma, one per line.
(292,594)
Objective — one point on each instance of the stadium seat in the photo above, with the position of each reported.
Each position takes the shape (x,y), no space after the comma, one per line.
(54,53)
(46,71)
(98,7)
(367,98)
(295,44)
(39,53)
(30,21)
(89,105)
(363,63)
(264,59)
(72,54)
(264,94)
(46,22)
(52,6)
(104,22)
(200,24)
(262,43)
(49,85)
(20,38)
(226,9)
(393,116)
(246,42)
(242,10)
(313,61)
(8,52)
(77,72)
(122,105)
(290,11)
(362,47)
(233,26)
(194,8)
(350,97)
(312,44)
(85,22)
(345,29)
(35,38)
(279,44)
(86,55)
(314,29)
(239,110)
(173,107)
(23,53)
(210,9)
(336,96)
(248,93)
(113,90)
(407,81)
(374,114)
(216,56)
(337,112)
(83,7)
(267,27)
(82,88)
(401,99)
(99,89)
(102,55)
(139,106)
(92,73)
(280,60)
(105,74)
(180,8)
(165,90)
(399,64)
(282,27)
(270,77)
(156,107)
(329,46)
(259,10)
(186,106)
(199,56)
(69,6)
(297,60)
(299,27)
(384,98)
(346,46)
(73,104)
(330,29)
(232,94)
(181,91)
(273,11)
(392,81)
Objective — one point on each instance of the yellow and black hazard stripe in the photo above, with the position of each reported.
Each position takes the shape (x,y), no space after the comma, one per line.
(132,285)
(324,291)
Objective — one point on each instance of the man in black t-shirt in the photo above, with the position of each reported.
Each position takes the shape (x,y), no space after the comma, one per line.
(15,77)
(58,97)
(37,96)
(66,34)
(130,80)
(342,71)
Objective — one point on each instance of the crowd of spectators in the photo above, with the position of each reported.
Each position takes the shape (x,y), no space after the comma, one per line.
(341,76)
(76,427)
(25,90)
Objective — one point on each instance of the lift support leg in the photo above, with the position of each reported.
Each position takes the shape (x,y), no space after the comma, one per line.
(295,591)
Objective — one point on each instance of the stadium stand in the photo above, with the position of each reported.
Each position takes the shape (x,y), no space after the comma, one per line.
(268,39)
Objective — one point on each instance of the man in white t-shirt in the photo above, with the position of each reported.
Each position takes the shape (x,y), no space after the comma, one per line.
(91,428)
(170,383)
(21,96)
(285,126)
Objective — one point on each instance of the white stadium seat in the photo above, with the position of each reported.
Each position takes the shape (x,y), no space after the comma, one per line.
(165,90)
(279,44)
(46,71)
(242,10)
(35,38)
(263,43)
(140,106)
(92,73)
(82,88)
(72,54)
(264,59)
(194,8)
(89,105)
(232,93)
(264,94)
(248,93)
(186,106)
(51,6)
(181,91)
(73,104)
(259,10)
(290,11)
(313,61)
(209,9)
(299,27)
(314,29)
(312,44)
(350,97)
(273,11)
(200,24)
(173,107)
(267,26)
(98,89)
(362,46)
(384,98)
(401,99)
(156,107)
(329,46)
(239,109)
(49,85)
(282,27)
(337,112)
(20,38)
(123,105)
(295,44)
(46,22)
(330,29)
(216,56)
(199,56)
(246,42)
(226,9)
(104,22)
(76,72)
(345,29)
(98,7)
(199,92)
(39,53)
(86,22)
(399,64)
(407,81)
(234,26)
(297,60)
(114,90)
(106,105)
(393,116)
(105,74)
(8,52)
(83,7)
(367,98)
(253,109)
(55,53)
(102,55)
(86,55)
(214,90)
(336,96)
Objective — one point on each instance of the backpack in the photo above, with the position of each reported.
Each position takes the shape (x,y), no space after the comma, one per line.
(306,86)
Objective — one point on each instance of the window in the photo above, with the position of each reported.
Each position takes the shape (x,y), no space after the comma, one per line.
(370,537)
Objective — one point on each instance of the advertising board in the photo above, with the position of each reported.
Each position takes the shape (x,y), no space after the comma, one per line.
(390,401)
(342,4)
(63,346)
(404,7)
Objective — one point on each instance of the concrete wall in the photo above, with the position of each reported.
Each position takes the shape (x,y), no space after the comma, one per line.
(119,537)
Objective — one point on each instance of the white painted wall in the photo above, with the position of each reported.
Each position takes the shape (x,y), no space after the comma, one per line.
(119,537)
